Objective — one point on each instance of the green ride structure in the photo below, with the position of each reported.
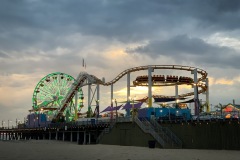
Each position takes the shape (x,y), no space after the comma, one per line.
(49,94)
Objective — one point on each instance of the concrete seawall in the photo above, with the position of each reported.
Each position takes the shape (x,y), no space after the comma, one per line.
(208,135)
(194,135)
(127,134)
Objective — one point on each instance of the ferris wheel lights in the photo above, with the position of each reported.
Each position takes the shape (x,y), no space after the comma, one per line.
(53,86)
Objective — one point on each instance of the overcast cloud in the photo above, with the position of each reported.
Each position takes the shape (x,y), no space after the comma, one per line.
(39,37)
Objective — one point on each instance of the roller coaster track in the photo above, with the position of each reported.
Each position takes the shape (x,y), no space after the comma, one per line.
(85,78)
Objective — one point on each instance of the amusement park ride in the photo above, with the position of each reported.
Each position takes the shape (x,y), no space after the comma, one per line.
(60,96)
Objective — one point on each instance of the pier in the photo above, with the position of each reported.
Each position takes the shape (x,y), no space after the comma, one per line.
(193,134)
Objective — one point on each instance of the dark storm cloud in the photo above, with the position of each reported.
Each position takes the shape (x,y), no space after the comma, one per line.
(184,49)
(46,25)
(36,23)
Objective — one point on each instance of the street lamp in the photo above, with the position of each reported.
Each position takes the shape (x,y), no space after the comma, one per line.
(111,117)
(2,123)
(176,103)
(34,120)
(161,115)
(132,99)
(116,110)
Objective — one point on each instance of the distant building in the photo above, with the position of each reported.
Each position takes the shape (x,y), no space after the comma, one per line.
(231,110)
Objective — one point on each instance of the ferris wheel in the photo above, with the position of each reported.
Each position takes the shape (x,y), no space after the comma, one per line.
(50,92)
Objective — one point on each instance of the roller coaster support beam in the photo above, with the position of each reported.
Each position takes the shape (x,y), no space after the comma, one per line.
(76,105)
(150,70)
(98,99)
(194,72)
(111,102)
(128,93)
(176,94)
(207,95)
(89,100)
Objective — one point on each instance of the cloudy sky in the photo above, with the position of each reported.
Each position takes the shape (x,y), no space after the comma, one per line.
(39,37)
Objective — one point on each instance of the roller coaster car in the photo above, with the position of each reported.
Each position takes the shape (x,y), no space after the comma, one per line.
(142,78)
(158,78)
(172,78)
(185,79)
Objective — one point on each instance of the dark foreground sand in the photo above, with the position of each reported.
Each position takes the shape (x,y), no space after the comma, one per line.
(58,150)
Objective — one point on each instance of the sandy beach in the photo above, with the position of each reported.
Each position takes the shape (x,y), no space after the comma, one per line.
(58,150)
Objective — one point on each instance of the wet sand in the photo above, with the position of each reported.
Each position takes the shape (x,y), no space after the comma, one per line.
(58,150)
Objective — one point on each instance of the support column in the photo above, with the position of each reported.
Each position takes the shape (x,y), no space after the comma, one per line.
(128,93)
(76,105)
(89,138)
(176,91)
(77,136)
(71,137)
(63,136)
(111,102)
(85,137)
(98,99)
(89,99)
(56,135)
(150,70)
(49,135)
(196,92)
(207,95)
(176,95)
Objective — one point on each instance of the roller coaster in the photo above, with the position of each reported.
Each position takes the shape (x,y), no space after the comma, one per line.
(149,80)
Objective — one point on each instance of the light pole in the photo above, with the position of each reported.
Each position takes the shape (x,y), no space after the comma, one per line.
(34,120)
(111,117)
(2,124)
(161,115)
(177,103)
(116,110)
(132,99)
(38,120)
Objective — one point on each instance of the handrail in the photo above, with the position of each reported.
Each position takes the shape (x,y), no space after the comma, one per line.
(167,132)
(103,132)
(148,129)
